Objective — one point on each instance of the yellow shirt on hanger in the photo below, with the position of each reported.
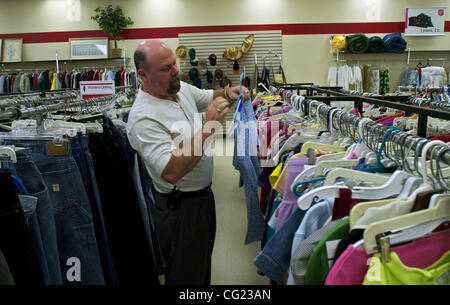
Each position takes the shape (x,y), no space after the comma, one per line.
(53,87)
(395,272)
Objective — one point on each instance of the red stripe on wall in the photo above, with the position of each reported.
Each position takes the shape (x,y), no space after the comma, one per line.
(173,32)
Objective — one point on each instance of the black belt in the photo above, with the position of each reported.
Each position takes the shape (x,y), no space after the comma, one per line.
(174,197)
(180,194)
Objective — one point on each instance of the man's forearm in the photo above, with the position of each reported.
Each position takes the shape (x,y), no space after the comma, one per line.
(184,159)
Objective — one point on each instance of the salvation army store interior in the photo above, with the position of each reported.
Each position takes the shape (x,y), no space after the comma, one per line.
(335,170)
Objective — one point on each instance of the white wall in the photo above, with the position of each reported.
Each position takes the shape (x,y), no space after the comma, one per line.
(305,57)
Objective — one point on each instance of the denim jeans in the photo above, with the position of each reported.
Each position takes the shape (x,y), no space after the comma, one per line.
(44,234)
(246,162)
(82,156)
(274,259)
(72,212)
(29,206)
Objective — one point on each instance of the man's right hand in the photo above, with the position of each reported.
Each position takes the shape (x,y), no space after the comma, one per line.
(217,110)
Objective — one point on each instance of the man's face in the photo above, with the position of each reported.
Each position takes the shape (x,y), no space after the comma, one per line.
(162,75)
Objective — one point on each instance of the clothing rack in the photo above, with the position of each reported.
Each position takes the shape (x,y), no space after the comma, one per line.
(371,133)
(396,102)
(16,113)
(27,98)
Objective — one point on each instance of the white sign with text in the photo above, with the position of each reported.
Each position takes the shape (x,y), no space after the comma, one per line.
(425,21)
(90,89)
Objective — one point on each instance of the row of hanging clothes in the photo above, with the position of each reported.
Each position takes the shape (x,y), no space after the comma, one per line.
(425,75)
(370,78)
(77,201)
(346,200)
(18,82)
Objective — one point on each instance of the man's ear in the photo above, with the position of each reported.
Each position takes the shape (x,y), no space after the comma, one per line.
(141,74)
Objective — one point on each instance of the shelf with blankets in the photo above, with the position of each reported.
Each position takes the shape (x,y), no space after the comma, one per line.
(330,182)
(361,43)
(23,80)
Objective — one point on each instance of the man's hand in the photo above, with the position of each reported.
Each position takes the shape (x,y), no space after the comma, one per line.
(217,110)
(233,93)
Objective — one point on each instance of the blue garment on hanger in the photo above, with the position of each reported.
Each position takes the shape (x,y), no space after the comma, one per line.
(18,184)
(246,162)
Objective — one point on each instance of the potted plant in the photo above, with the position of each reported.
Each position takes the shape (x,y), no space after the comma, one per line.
(112,21)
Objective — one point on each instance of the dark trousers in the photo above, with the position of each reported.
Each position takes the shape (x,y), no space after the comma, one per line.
(15,242)
(128,243)
(186,228)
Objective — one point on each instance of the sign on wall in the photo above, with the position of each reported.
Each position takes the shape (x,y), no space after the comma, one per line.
(90,89)
(425,21)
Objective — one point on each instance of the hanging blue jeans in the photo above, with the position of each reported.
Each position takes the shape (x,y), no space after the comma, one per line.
(42,227)
(72,212)
(245,160)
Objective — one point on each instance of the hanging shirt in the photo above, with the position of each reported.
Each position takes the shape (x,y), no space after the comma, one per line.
(302,255)
(314,219)
(54,76)
(352,266)
(319,264)
(395,272)
(245,160)
(295,167)
(332,76)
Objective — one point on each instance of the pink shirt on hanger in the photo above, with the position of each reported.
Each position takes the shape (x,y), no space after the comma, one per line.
(352,265)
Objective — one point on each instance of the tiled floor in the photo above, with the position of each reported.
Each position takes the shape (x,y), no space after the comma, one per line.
(232,260)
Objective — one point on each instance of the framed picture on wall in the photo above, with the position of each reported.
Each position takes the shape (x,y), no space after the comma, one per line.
(88,48)
(1,40)
(12,50)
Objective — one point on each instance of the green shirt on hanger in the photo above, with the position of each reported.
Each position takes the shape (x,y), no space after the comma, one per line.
(395,272)
(318,265)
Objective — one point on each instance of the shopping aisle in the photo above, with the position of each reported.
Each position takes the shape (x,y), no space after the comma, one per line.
(232,261)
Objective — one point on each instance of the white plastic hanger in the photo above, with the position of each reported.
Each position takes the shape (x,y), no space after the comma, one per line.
(407,227)
(318,171)
(332,156)
(411,183)
(426,186)
(8,152)
(354,175)
(391,188)
(321,146)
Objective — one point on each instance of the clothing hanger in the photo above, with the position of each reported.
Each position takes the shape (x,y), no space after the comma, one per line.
(320,166)
(412,183)
(358,211)
(407,227)
(321,146)
(332,156)
(8,153)
(391,188)
(354,175)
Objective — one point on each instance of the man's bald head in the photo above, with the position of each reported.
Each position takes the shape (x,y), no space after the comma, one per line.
(157,67)
(147,52)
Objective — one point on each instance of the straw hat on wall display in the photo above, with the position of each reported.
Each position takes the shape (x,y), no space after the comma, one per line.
(181,52)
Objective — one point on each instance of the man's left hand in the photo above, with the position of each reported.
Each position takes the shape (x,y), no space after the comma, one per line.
(233,93)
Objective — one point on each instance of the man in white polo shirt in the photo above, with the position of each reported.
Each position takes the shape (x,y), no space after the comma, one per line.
(165,111)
